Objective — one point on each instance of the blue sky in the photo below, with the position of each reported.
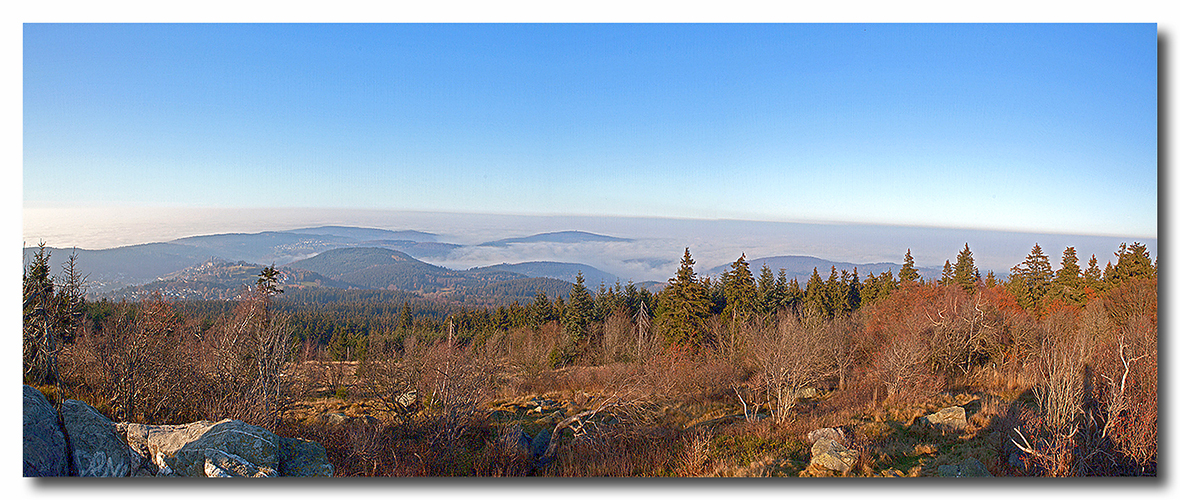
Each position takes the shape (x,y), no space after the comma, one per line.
(1047,128)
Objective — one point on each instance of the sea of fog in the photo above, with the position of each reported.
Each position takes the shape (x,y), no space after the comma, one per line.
(652,254)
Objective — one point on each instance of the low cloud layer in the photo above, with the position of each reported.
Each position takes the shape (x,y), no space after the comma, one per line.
(653,254)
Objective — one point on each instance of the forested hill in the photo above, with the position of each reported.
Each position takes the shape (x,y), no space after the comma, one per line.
(564,271)
(220,280)
(556,237)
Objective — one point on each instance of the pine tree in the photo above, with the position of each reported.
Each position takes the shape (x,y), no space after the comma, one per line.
(740,292)
(815,296)
(405,319)
(792,293)
(1093,275)
(908,273)
(1030,279)
(991,279)
(1067,284)
(1133,262)
(769,294)
(965,273)
(579,312)
(948,275)
(683,307)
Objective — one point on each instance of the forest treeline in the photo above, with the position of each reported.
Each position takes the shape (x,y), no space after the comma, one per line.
(1081,342)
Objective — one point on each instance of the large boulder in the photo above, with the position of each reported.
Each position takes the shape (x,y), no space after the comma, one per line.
(954,417)
(95,445)
(831,455)
(231,445)
(834,433)
(44,443)
(229,448)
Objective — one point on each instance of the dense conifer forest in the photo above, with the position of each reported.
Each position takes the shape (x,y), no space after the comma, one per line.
(1055,365)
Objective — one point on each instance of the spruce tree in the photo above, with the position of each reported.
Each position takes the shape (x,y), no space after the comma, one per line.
(1133,262)
(579,312)
(1067,283)
(740,292)
(768,292)
(815,295)
(908,273)
(1030,279)
(948,275)
(1093,275)
(965,273)
(683,307)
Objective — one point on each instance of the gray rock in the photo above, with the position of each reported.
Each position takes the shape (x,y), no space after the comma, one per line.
(835,434)
(303,458)
(229,448)
(152,443)
(407,399)
(44,443)
(831,455)
(234,440)
(954,417)
(540,443)
(96,447)
(335,418)
(223,464)
(969,467)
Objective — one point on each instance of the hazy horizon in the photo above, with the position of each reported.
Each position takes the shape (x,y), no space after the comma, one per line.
(662,240)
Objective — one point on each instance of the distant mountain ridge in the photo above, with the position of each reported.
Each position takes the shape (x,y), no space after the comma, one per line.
(367,234)
(555,237)
(564,271)
(217,279)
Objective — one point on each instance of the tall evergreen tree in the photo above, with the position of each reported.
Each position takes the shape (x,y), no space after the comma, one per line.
(540,310)
(792,293)
(1067,282)
(815,296)
(683,307)
(1133,262)
(1093,276)
(405,319)
(948,275)
(908,273)
(769,293)
(740,292)
(579,312)
(1030,279)
(965,273)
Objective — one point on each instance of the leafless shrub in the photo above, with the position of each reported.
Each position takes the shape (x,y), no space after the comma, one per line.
(618,343)
(138,364)
(458,384)
(244,357)
(788,359)
(391,376)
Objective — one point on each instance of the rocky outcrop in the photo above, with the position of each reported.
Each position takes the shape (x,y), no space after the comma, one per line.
(831,455)
(834,433)
(229,448)
(954,417)
(95,445)
(44,443)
